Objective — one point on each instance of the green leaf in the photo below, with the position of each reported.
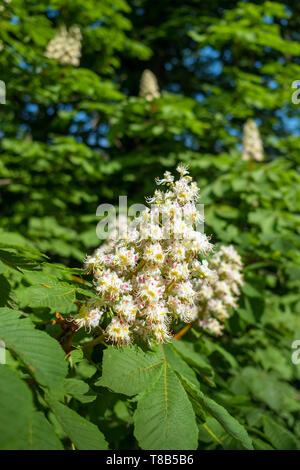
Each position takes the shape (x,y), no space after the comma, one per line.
(56,295)
(280,437)
(250,291)
(264,387)
(162,403)
(79,389)
(195,397)
(41,434)
(84,434)
(129,370)
(230,424)
(178,364)
(15,410)
(193,358)
(4,290)
(214,346)
(19,261)
(259,444)
(41,354)
(164,418)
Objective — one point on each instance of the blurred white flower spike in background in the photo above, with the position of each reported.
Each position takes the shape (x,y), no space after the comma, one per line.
(163,272)
(65,47)
(2,352)
(252,143)
(149,88)
(2,92)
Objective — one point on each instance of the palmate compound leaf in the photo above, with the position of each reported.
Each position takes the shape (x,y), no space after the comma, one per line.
(209,406)
(84,434)
(40,353)
(164,418)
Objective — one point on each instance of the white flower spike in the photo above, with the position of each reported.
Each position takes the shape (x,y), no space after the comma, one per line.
(163,274)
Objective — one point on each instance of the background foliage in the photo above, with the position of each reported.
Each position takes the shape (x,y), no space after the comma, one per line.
(72,138)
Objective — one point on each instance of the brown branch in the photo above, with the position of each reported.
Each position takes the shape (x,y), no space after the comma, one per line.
(182,332)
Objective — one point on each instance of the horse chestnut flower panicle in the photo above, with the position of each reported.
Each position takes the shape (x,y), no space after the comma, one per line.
(158,273)
(65,47)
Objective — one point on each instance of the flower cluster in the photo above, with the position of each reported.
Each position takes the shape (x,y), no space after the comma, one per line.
(157,273)
(148,86)
(252,143)
(66,46)
(220,289)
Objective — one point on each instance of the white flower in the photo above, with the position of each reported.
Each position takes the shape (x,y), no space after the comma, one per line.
(183,191)
(185,290)
(179,271)
(191,213)
(182,169)
(154,253)
(206,291)
(177,251)
(199,242)
(168,178)
(125,257)
(203,270)
(118,331)
(175,304)
(156,313)
(88,317)
(222,288)
(127,308)
(158,197)
(217,308)
(230,301)
(212,325)
(187,312)
(252,143)
(108,282)
(151,290)
(161,333)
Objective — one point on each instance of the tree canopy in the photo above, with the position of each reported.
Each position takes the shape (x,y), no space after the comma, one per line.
(77,134)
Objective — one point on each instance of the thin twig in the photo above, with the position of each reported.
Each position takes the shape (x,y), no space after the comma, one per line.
(94,342)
